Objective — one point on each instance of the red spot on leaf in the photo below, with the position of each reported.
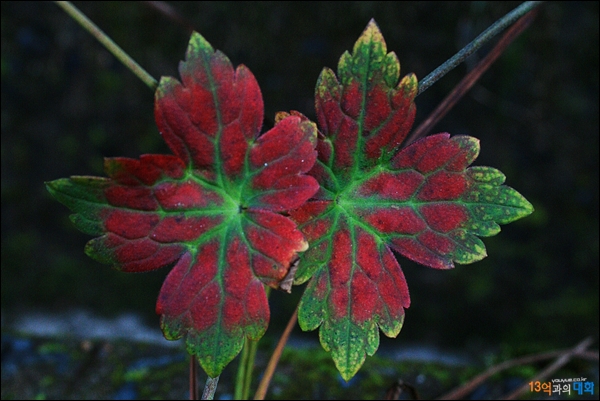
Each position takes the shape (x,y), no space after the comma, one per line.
(377,109)
(238,272)
(365,298)
(186,195)
(412,154)
(145,171)
(443,185)
(233,149)
(444,217)
(351,101)
(130,224)
(309,211)
(432,240)
(394,220)
(139,198)
(438,156)
(187,279)
(367,256)
(341,262)
(135,255)
(256,304)
(324,152)
(275,236)
(392,285)
(339,299)
(397,186)
(170,166)
(187,128)
(181,229)
(414,250)
(316,228)
(345,144)
(251,110)
(391,133)
(233,313)
(206,308)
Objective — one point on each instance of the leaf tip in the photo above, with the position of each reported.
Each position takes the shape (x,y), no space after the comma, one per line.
(198,44)
(409,85)
(371,34)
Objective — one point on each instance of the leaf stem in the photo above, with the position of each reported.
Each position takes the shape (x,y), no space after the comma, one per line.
(112,47)
(470,79)
(479,41)
(210,388)
(253,346)
(243,379)
(261,392)
(241,373)
(193,379)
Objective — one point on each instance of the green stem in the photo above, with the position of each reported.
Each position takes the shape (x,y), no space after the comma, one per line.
(469,49)
(108,43)
(243,379)
(471,78)
(253,346)
(210,388)
(241,373)
(261,391)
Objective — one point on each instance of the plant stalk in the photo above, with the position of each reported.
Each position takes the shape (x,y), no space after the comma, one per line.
(470,79)
(479,41)
(193,379)
(112,47)
(210,388)
(253,346)
(241,373)
(261,392)
(243,378)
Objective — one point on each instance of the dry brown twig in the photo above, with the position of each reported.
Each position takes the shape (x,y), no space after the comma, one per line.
(471,78)
(563,356)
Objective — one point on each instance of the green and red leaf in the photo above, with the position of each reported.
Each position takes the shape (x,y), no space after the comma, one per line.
(422,201)
(212,210)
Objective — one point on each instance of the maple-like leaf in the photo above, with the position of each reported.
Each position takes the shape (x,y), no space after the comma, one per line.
(422,201)
(211,210)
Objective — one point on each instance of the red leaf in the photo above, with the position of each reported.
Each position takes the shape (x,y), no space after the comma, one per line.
(421,201)
(211,210)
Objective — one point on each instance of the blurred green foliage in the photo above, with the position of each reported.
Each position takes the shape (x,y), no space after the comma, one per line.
(67,103)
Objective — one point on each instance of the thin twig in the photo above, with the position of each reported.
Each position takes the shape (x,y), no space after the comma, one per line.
(471,78)
(112,47)
(479,41)
(464,390)
(210,388)
(270,369)
(170,12)
(553,367)
(193,379)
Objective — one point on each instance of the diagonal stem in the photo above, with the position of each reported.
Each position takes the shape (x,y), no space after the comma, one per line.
(471,78)
(553,367)
(464,390)
(479,41)
(112,47)
(270,370)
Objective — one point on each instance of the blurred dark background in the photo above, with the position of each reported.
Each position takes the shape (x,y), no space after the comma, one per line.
(67,103)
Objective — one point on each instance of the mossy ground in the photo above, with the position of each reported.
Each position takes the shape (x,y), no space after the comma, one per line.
(63,368)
